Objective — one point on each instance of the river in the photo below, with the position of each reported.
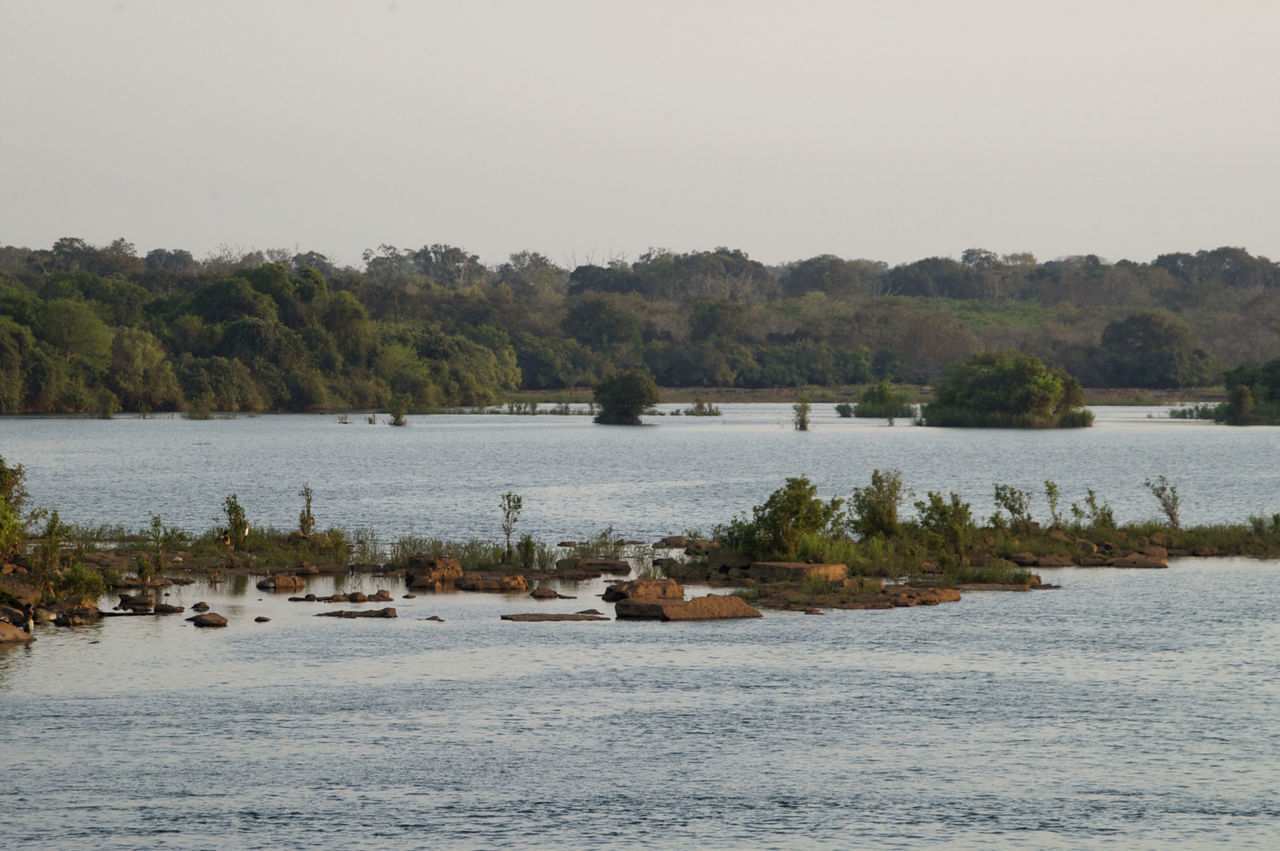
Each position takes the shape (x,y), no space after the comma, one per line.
(1128,709)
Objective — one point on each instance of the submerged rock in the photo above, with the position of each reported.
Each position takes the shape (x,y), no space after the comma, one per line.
(208,619)
(432,572)
(492,582)
(10,634)
(367,613)
(281,582)
(550,616)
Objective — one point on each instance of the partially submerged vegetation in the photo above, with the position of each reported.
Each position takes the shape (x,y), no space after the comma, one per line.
(1007,390)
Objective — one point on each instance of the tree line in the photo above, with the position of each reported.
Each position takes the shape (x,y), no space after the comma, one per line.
(97,328)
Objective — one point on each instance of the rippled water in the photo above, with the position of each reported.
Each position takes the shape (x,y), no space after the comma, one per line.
(444,475)
(1129,709)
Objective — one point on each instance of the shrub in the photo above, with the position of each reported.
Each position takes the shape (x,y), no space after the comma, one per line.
(800,414)
(881,400)
(949,523)
(1167,495)
(780,523)
(623,397)
(875,507)
(844,409)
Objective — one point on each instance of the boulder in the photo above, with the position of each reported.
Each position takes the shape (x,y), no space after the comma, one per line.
(568,545)
(673,542)
(208,619)
(382,595)
(542,592)
(200,607)
(76,611)
(281,582)
(261,619)
(710,607)
(1139,560)
(432,572)
(614,566)
(492,582)
(699,548)
(357,597)
(661,589)
(794,571)
(366,613)
(166,609)
(14,634)
(1053,561)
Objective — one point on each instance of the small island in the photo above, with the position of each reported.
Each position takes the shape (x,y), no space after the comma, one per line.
(1007,389)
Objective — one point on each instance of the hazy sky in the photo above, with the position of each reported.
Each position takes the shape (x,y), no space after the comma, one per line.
(589,130)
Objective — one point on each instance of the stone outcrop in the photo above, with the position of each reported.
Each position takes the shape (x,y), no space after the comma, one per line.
(492,582)
(208,619)
(10,634)
(710,607)
(795,571)
(432,572)
(612,566)
(167,609)
(388,612)
(76,611)
(662,589)
(532,617)
(542,592)
(281,582)
(673,542)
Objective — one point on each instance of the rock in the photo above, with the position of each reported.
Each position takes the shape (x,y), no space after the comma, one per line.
(365,613)
(1053,561)
(810,610)
(549,616)
(1138,560)
(336,598)
(913,595)
(589,612)
(410,597)
(76,611)
(662,589)
(200,607)
(673,542)
(699,548)
(166,609)
(492,582)
(568,545)
(432,572)
(261,619)
(382,595)
(1024,559)
(435,618)
(208,619)
(542,592)
(710,607)
(615,566)
(10,634)
(281,582)
(357,597)
(793,571)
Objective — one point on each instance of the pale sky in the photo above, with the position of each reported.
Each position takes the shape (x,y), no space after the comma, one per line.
(891,130)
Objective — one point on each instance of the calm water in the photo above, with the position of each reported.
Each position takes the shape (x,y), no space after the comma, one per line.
(1130,709)
(444,475)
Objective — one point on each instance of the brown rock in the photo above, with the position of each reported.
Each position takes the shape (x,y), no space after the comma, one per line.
(673,542)
(699,548)
(14,634)
(568,545)
(382,595)
(614,566)
(200,607)
(409,597)
(913,595)
(710,607)
(1054,561)
(76,611)
(261,619)
(364,613)
(542,592)
(432,572)
(357,597)
(208,619)
(166,609)
(1023,559)
(662,589)
(492,582)
(794,571)
(1139,561)
(281,582)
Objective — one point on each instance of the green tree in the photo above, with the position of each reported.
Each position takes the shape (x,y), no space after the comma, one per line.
(623,397)
(874,509)
(1006,389)
(779,525)
(511,505)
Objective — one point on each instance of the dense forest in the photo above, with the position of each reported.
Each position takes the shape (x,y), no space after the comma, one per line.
(89,328)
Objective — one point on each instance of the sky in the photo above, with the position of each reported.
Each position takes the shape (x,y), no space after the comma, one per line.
(593,130)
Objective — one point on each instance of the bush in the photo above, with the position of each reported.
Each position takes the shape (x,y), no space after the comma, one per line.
(1007,390)
(777,527)
(875,507)
(882,401)
(623,397)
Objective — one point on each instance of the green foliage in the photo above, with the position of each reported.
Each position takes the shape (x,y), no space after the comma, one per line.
(623,397)
(947,523)
(882,401)
(511,505)
(1016,503)
(237,528)
(306,520)
(1094,516)
(12,532)
(1053,496)
(874,509)
(398,408)
(702,408)
(844,410)
(800,414)
(1167,495)
(1007,390)
(778,526)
